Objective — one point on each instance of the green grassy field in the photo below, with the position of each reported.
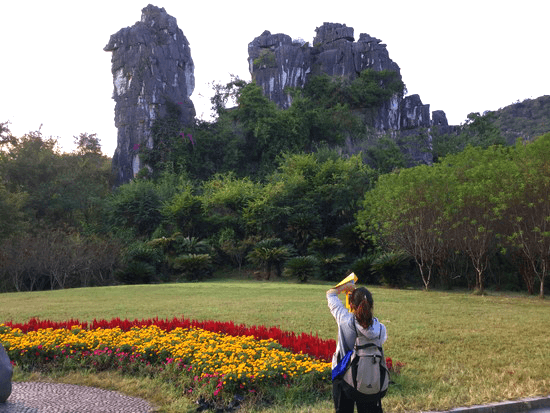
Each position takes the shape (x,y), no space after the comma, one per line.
(459,349)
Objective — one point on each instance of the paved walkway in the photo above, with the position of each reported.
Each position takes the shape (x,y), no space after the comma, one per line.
(38,397)
(531,405)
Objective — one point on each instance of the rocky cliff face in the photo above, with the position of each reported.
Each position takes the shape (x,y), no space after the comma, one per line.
(152,67)
(276,62)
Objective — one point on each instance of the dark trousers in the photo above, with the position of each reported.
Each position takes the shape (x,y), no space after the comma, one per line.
(345,404)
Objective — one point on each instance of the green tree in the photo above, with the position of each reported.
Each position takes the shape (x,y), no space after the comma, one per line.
(87,144)
(436,210)
(195,267)
(525,198)
(476,212)
(136,207)
(483,130)
(418,221)
(234,247)
(477,130)
(309,198)
(31,164)
(385,155)
(183,211)
(226,95)
(372,88)
(84,183)
(223,199)
(62,189)
(367,91)
(12,217)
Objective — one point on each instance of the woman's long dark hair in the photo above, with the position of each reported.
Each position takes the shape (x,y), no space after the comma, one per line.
(361,298)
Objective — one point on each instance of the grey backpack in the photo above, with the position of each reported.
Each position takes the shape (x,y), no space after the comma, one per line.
(367,376)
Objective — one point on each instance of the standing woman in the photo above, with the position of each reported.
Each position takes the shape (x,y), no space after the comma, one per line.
(359,321)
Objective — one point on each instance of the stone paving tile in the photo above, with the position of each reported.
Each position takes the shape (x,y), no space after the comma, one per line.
(531,405)
(38,397)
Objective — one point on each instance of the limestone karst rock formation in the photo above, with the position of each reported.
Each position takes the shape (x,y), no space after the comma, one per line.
(152,68)
(276,62)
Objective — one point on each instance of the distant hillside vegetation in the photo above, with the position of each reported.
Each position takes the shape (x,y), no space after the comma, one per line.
(527,119)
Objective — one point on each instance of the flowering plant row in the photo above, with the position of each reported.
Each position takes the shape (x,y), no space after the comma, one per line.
(298,343)
(210,360)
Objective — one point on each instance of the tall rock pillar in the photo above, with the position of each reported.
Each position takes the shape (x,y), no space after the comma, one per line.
(152,68)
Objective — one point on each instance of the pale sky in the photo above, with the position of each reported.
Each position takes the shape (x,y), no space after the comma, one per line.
(459,56)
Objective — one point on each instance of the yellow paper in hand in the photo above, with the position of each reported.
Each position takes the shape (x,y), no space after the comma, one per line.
(352,278)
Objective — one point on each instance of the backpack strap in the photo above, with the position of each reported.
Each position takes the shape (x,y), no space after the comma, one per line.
(354,362)
(364,346)
(338,356)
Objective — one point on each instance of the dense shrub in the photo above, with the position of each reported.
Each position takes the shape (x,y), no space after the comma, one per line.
(302,268)
(142,264)
(362,267)
(269,253)
(330,257)
(136,206)
(391,268)
(50,259)
(194,267)
(136,272)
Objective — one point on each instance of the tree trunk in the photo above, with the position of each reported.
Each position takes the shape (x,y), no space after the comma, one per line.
(479,281)
(542,276)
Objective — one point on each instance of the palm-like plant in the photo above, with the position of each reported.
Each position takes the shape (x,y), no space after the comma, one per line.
(303,228)
(330,258)
(268,253)
(194,267)
(302,267)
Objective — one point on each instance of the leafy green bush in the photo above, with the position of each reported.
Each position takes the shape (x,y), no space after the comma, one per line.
(136,272)
(303,228)
(478,131)
(136,206)
(385,155)
(231,246)
(194,267)
(302,267)
(142,263)
(192,245)
(370,89)
(391,267)
(362,267)
(331,260)
(266,59)
(269,253)
(183,211)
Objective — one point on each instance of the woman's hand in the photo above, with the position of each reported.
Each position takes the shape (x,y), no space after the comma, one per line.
(347,287)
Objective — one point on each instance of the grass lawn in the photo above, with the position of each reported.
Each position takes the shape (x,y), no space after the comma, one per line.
(459,349)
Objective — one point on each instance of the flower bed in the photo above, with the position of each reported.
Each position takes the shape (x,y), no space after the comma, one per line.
(304,343)
(211,357)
